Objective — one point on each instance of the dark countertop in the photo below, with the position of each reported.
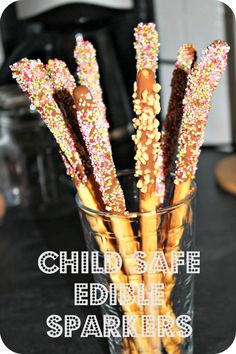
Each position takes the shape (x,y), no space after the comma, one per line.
(28,297)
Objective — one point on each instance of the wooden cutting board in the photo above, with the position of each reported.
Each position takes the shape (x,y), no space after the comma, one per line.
(226,174)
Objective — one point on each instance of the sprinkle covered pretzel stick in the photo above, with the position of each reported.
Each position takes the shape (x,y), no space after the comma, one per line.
(202,82)
(95,137)
(99,149)
(146,107)
(32,77)
(88,73)
(64,84)
(171,127)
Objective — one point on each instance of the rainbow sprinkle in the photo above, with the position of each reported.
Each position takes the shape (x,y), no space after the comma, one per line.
(62,78)
(186,57)
(88,73)
(201,84)
(146,45)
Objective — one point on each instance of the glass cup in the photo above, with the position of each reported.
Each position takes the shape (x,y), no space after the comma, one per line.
(158,322)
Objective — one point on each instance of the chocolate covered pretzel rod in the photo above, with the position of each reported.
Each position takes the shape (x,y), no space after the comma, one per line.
(88,73)
(64,84)
(147,106)
(171,127)
(202,82)
(96,139)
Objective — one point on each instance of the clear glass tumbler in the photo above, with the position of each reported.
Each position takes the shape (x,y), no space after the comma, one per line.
(157,322)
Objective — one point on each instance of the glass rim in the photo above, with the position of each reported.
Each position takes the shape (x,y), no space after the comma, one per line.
(133,214)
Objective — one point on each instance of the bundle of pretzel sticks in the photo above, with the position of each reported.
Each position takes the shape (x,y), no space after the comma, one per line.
(76,116)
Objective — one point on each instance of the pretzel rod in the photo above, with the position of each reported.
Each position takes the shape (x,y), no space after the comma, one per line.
(88,73)
(146,107)
(171,127)
(201,84)
(64,84)
(185,60)
(99,149)
(101,158)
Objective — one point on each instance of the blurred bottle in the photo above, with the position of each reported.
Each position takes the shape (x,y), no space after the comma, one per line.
(30,167)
